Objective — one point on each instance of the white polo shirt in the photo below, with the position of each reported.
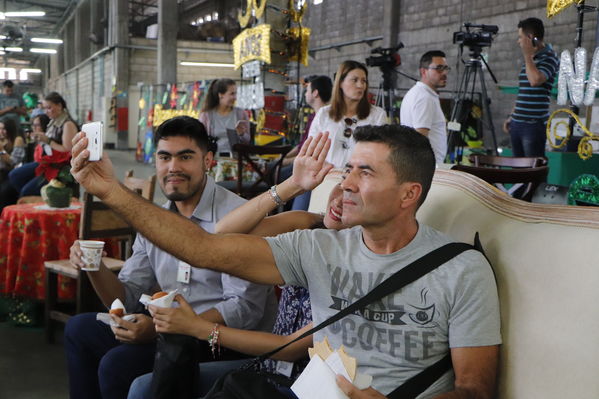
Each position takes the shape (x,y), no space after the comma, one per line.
(421,109)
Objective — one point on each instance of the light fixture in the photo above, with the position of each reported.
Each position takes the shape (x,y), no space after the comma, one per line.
(316,2)
(215,16)
(19,14)
(200,21)
(208,18)
(207,64)
(43,50)
(32,70)
(46,40)
(13,49)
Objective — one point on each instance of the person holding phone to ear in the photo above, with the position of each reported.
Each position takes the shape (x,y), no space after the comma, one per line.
(527,122)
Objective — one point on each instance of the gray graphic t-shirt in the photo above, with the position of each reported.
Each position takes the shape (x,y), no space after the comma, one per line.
(393,339)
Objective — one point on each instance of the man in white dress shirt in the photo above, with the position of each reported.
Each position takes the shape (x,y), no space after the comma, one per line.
(421,108)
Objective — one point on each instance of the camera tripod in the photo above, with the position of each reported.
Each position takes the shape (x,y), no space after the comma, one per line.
(385,95)
(464,95)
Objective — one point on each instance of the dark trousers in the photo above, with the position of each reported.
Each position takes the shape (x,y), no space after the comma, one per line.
(99,366)
(24,180)
(528,139)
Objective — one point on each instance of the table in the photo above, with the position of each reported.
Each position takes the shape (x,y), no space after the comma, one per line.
(28,237)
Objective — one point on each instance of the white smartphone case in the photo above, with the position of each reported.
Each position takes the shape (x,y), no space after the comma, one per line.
(94,132)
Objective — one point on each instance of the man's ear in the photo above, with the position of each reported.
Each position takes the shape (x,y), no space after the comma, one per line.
(315,93)
(208,158)
(410,194)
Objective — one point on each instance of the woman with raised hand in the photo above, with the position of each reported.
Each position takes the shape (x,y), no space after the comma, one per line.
(219,114)
(294,314)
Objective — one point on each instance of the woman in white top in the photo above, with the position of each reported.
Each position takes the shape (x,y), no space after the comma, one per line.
(349,109)
(219,114)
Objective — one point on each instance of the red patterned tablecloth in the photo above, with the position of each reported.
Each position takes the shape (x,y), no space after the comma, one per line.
(28,237)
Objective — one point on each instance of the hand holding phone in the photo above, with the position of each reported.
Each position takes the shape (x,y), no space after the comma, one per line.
(94,132)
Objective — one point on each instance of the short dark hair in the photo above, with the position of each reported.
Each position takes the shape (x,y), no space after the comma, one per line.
(8,83)
(411,154)
(323,84)
(427,57)
(532,26)
(185,126)
(44,120)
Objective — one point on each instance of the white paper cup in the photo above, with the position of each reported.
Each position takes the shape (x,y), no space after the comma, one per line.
(92,254)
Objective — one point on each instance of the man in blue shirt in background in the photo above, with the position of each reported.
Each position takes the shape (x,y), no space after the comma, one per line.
(528,120)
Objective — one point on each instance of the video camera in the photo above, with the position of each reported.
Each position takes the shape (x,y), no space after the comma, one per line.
(480,36)
(388,58)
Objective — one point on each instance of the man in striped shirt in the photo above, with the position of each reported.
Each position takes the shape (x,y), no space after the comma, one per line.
(529,117)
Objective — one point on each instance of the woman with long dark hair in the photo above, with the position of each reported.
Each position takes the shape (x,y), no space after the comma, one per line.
(219,114)
(56,139)
(349,109)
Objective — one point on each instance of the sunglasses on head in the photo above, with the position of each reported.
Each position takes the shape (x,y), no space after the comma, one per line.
(348,126)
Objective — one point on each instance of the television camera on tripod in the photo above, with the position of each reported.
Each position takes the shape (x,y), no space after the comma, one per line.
(387,59)
(475,37)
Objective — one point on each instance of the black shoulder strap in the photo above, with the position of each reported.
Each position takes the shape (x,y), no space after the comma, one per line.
(399,279)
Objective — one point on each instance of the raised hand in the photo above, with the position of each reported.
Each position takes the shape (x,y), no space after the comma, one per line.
(310,167)
(96,177)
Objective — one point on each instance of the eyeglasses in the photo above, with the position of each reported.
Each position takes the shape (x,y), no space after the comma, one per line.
(348,126)
(440,68)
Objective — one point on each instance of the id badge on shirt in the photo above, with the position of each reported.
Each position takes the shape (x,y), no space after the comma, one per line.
(183,273)
(284,368)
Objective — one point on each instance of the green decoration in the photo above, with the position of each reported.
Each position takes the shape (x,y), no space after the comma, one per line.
(142,121)
(584,190)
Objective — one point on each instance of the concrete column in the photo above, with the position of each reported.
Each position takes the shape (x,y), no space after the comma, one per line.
(168,26)
(119,37)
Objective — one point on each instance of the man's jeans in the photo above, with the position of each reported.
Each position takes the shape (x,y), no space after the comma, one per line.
(528,139)
(100,366)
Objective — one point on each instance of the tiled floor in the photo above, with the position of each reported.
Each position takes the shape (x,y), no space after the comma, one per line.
(30,368)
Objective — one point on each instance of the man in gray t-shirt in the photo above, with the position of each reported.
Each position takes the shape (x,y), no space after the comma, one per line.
(454,308)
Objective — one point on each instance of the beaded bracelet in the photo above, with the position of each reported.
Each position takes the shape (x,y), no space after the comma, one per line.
(275,196)
(213,341)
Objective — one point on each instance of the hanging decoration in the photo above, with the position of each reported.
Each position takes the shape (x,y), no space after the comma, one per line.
(255,7)
(252,44)
(298,48)
(584,190)
(161,115)
(173,96)
(554,7)
(298,10)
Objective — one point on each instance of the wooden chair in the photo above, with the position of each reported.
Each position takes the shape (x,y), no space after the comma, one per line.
(144,187)
(528,178)
(98,221)
(266,178)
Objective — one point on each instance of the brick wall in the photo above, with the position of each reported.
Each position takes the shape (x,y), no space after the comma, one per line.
(427,25)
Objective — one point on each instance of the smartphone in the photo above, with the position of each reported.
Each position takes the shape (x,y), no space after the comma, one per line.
(94,131)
